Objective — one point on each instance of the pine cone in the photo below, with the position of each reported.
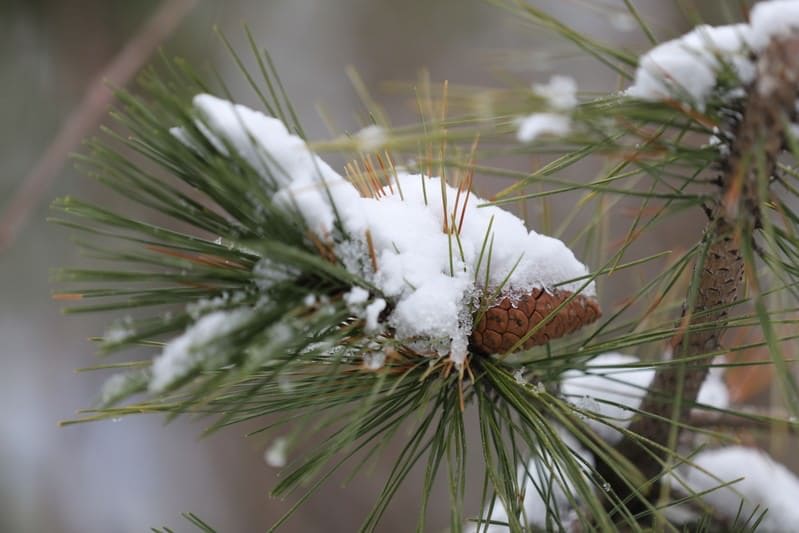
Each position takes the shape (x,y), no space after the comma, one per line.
(505,323)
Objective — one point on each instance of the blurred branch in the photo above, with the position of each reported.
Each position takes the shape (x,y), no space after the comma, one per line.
(88,114)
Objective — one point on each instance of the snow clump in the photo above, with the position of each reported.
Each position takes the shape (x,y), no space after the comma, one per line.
(424,274)
(687,68)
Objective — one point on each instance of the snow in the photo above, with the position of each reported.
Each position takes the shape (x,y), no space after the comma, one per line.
(190,350)
(303,180)
(372,313)
(769,20)
(686,68)
(611,393)
(422,275)
(536,125)
(541,481)
(560,92)
(621,386)
(356,297)
(766,485)
(275,455)
(119,331)
(370,138)
(714,392)
(374,360)
(611,390)
(114,388)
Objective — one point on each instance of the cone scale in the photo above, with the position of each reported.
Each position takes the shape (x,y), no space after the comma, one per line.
(502,326)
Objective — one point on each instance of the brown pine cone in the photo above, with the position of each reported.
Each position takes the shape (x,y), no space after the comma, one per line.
(505,323)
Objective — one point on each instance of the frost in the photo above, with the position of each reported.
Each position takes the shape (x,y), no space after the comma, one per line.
(766,486)
(119,331)
(190,350)
(518,376)
(267,273)
(275,455)
(309,300)
(423,276)
(121,385)
(204,305)
(113,387)
(534,126)
(560,92)
(370,138)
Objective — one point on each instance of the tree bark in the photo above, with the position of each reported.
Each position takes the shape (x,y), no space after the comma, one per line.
(757,140)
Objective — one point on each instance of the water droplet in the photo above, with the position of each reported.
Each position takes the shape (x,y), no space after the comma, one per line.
(116,419)
(606,486)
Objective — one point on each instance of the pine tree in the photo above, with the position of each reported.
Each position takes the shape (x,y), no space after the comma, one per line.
(386,300)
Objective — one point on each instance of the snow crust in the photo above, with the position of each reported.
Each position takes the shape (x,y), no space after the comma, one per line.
(422,272)
(191,349)
(766,486)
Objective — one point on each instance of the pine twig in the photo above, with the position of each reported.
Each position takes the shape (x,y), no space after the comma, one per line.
(88,114)
(719,274)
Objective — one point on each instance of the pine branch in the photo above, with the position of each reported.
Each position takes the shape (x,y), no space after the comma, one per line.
(719,271)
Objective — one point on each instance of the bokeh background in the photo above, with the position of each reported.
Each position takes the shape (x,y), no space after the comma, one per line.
(136,473)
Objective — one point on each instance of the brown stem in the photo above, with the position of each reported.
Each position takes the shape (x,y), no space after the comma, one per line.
(758,140)
(86,116)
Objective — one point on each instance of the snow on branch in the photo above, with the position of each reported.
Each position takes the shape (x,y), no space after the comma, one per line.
(431,259)
(694,67)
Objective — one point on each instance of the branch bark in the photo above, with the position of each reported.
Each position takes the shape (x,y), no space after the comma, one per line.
(758,141)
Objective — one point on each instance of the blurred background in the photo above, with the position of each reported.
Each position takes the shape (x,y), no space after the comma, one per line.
(136,473)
